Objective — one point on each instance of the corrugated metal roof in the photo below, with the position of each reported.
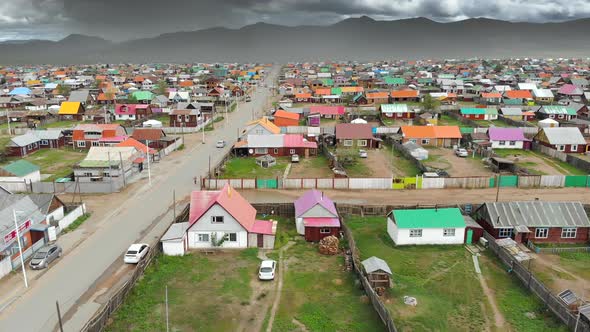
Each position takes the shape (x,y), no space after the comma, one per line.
(265,141)
(564,135)
(394,108)
(20,168)
(373,264)
(537,214)
(24,140)
(429,218)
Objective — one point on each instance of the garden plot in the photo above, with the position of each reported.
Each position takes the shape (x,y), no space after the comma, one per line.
(538,164)
(445,159)
(311,167)
(566,270)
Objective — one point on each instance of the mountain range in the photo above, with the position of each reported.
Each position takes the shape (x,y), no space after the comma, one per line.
(359,39)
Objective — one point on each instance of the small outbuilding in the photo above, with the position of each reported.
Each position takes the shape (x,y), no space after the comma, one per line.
(378,273)
(175,240)
(426,226)
(266,161)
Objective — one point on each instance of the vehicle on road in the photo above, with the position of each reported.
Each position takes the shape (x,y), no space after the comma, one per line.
(460,152)
(44,256)
(136,253)
(267,269)
(248,99)
(220,144)
(363,154)
(295,158)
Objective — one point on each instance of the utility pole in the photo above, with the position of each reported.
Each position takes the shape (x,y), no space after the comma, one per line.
(174,203)
(20,249)
(167,319)
(61,326)
(148,162)
(498,187)
(122,169)
(110,172)
(209,174)
(203,124)
(8,122)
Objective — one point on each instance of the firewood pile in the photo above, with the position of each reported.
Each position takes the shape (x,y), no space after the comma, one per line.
(329,245)
(347,261)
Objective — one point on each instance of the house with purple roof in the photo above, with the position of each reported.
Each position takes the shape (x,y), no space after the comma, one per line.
(316,216)
(508,138)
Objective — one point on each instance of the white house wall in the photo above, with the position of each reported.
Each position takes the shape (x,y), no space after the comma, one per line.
(300,226)
(173,247)
(317,211)
(229,225)
(401,236)
(496,145)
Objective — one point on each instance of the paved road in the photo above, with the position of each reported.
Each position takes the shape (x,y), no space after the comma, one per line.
(77,272)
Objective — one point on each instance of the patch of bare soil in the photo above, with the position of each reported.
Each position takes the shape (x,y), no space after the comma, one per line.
(535,164)
(446,159)
(561,278)
(306,168)
(379,164)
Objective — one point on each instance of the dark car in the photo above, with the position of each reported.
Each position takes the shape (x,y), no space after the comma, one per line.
(44,256)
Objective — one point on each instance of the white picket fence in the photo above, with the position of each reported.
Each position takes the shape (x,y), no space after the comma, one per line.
(168,150)
(71,217)
(5,266)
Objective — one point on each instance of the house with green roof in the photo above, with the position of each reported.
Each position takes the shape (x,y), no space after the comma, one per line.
(20,171)
(143,97)
(557,112)
(426,226)
(479,113)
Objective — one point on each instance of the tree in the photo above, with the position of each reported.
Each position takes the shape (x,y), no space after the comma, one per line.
(347,157)
(499,67)
(97,84)
(132,99)
(63,90)
(347,99)
(429,103)
(162,87)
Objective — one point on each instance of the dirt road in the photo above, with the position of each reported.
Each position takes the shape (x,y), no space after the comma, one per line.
(426,196)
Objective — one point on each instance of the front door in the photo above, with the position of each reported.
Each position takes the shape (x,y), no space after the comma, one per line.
(469,236)
(260,240)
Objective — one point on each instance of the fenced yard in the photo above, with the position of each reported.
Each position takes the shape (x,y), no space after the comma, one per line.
(443,279)
(54,163)
(247,168)
(445,159)
(537,163)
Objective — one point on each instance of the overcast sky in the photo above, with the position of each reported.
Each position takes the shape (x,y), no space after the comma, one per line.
(127,19)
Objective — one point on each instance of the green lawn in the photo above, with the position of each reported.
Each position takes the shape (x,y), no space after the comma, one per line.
(165,119)
(205,293)
(247,168)
(446,120)
(4,140)
(58,162)
(558,165)
(443,280)
(63,124)
(401,163)
(358,170)
(319,294)
(495,123)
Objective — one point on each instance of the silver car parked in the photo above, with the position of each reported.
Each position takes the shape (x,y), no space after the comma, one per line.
(44,256)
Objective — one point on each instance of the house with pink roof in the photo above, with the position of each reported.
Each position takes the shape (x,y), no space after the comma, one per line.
(225,219)
(316,216)
(508,138)
(132,111)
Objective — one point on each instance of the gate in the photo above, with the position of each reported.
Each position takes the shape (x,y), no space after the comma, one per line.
(266,183)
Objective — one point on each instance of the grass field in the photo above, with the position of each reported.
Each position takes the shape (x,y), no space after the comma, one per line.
(63,124)
(401,163)
(550,164)
(205,293)
(442,278)
(57,162)
(319,294)
(247,168)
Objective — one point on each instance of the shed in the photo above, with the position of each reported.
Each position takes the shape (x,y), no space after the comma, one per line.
(174,241)
(378,273)
(266,161)
(502,164)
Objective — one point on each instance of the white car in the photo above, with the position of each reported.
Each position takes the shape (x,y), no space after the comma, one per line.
(220,144)
(295,158)
(267,270)
(363,154)
(461,152)
(136,253)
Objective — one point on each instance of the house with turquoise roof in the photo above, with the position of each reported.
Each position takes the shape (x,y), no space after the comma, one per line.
(427,226)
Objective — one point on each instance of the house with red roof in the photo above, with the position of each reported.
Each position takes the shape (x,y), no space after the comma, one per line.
(286,119)
(316,216)
(225,219)
(276,145)
(350,135)
(85,136)
(132,111)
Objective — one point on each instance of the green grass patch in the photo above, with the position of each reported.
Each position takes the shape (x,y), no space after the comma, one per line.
(218,119)
(62,124)
(247,168)
(320,295)
(57,162)
(442,278)
(560,166)
(79,221)
(446,120)
(519,307)
(205,293)
(400,162)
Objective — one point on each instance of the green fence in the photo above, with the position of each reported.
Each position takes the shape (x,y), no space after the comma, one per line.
(267,183)
(577,181)
(509,181)
(407,183)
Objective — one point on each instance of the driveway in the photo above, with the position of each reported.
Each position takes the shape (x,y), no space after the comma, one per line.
(72,280)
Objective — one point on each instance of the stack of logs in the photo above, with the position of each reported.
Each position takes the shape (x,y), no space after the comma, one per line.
(330,245)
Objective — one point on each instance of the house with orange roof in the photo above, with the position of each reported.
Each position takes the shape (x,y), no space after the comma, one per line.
(440,136)
(517,96)
(491,98)
(142,148)
(85,136)
(379,97)
(285,119)
(262,126)
(405,95)
(303,97)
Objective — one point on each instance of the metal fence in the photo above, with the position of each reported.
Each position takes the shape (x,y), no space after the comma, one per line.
(27,253)
(555,250)
(528,280)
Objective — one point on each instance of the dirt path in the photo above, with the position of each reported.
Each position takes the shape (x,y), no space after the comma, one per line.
(282,271)
(499,320)
(558,283)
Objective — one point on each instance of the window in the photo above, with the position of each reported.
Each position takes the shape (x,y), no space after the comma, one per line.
(179,118)
(44,142)
(448,232)
(325,231)
(561,148)
(362,142)
(347,142)
(574,148)
(504,232)
(415,233)
(203,237)
(231,237)
(560,116)
(95,143)
(292,151)
(502,143)
(425,141)
(259,132)
(217,219)
(187,118)
(541,233)
(106,174)
(276,151)
(81,144)
(88,174)
(413,140)
(512,143)
(568,233)
(261,151)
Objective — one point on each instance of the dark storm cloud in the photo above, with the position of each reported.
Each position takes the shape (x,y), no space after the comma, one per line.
(123,19)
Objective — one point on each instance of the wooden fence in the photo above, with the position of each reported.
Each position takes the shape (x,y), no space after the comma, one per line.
(556,250)
(528,280)
(378,305)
